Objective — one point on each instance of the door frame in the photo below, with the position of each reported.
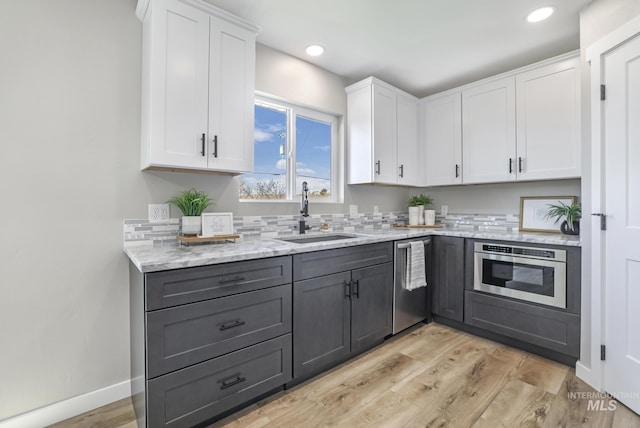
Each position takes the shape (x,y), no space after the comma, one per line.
(589,368)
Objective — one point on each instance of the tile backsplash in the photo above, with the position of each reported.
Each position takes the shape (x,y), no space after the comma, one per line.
(142,232)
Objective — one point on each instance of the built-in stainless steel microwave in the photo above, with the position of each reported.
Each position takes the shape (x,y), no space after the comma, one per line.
(527,273)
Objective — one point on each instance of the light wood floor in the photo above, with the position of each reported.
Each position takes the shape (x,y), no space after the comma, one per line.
(433,376)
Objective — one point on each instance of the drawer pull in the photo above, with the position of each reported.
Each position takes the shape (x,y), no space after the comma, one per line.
(237,323)
(228,384)
(227,281)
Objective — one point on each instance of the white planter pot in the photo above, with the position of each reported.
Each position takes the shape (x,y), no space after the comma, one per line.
(429,217)
(191,225)
(414,216)
(421,214)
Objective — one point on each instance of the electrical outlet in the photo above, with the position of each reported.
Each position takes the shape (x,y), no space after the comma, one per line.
(444,210)
(158,213)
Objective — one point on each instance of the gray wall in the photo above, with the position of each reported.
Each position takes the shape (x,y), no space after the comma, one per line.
(497,198)
(596,21)
(69,174)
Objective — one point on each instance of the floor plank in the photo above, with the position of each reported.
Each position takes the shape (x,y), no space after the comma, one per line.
(430,376)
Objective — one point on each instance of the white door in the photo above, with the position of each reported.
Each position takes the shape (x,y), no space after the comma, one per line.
(179,88)
(384,135)
(443,139)
(548,121)
(489,132)
(408,141)
(231,97)
(622,171)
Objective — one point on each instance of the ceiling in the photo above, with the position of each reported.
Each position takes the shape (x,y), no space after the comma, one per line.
(421,46)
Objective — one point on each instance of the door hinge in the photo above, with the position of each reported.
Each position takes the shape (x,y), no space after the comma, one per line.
(603,93)
(603,352)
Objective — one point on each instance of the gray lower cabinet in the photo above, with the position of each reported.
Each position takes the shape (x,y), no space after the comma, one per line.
(547,328)
(339,314)
(205,340)
(448,274)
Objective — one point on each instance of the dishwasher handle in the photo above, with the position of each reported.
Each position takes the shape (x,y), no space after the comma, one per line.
(404,245)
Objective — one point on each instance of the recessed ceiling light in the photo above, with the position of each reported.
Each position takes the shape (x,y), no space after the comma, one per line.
(315,50)
(540,14)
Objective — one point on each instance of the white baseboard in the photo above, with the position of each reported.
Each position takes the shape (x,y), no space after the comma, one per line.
(62,410)
(586,374)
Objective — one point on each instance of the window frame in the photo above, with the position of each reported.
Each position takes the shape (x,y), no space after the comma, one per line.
(293,111)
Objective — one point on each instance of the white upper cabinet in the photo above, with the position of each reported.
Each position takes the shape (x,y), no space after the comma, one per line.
(198,87)
(489,132)
(548,121)
(382,134)
(442,133)
(407,152)
(521,125)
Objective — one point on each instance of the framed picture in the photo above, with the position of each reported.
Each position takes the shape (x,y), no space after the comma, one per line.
(214,224)
(533,212)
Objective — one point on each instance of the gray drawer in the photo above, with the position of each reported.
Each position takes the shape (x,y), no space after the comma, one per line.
(180,286)
(318,263)
(195,394)
(537,325)
(185,335)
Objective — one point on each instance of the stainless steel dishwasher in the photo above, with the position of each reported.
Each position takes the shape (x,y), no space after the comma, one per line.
(410,307)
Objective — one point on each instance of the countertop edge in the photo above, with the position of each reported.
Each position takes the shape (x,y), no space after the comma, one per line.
(168,257)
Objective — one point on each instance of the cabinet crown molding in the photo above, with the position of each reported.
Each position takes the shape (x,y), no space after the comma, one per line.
(143,7)
(371,80)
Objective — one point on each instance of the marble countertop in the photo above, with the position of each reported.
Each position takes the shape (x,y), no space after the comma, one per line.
(174,256)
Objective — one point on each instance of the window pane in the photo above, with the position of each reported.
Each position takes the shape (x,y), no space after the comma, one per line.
(313,156)
(269,156)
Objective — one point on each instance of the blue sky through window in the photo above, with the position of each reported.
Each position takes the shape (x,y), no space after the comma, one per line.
(313,142)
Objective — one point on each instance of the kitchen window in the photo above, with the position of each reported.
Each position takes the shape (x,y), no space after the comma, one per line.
(292,144)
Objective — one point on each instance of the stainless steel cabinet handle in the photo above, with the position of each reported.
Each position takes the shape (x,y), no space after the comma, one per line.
(236,323)
(235,279)
(228,383)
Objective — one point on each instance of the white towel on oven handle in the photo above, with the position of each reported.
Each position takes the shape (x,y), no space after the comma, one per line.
(415,276)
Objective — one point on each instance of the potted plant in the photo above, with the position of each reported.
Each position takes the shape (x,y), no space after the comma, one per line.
(192,203)
(572,215)
(416,208)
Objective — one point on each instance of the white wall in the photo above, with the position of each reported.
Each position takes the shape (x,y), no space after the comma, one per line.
(70,132)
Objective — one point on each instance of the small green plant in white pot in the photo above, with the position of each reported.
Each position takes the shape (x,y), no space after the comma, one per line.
(191,203)
(417,205)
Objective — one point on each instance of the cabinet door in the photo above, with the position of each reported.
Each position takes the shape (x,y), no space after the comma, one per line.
(231,95)
(448,269)
(548,122)
(177,103)
(489,135)
(371,305)
(384,135)
(443,140)
(407,150)
(321,323)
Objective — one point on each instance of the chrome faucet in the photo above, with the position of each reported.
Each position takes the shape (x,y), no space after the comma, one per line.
(304,208)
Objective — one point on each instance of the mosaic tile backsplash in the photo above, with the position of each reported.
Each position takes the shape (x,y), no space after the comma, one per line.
(142,232)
